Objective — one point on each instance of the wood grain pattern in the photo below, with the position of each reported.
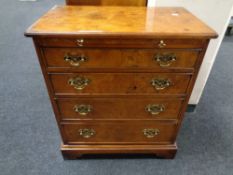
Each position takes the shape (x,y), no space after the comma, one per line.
(119,132)
(130,59)
(116,21)
(108,2)
(128,108)
(120,44)
(120,83)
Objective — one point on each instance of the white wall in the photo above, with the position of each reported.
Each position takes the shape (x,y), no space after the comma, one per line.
(216,13)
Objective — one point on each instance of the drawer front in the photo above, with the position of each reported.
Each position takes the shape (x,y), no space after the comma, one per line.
(119,83)
(127,108)
(120,43)
(119,132)
(120,58)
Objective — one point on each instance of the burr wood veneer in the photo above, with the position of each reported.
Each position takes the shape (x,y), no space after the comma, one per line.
(119,78)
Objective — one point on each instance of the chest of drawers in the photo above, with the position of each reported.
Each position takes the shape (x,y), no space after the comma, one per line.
(119,78)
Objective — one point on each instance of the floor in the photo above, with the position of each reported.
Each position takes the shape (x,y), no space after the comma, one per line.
(29,140)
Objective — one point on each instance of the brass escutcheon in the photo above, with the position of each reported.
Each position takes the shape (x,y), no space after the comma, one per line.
(160,84)
(83,109)
(162,44)
(75,60)
(165,59)
(80,42)
(150,132)
(155,109)
(79,82)
(86,133)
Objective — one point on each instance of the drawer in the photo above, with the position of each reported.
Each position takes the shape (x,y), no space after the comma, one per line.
(119,132)
(127,108)
(120,43)
(119,83)
(120,58)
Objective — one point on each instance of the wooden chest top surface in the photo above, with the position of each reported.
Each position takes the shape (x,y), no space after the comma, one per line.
(118,21)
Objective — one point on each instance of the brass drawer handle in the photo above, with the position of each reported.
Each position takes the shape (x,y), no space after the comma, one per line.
(162,44)
(155,109)
(75,60)
(150,132)
(80,42)
(160,84)
(86,133)
(165,60)
(79,82)
(83,109)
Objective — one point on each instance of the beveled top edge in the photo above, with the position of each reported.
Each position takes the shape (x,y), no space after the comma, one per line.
(54,22)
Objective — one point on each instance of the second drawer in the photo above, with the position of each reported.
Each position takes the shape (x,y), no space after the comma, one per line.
(119,108)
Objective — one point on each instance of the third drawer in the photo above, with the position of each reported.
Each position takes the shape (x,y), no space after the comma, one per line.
(111,108)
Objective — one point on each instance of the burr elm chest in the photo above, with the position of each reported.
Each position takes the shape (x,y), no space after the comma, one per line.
(119,78)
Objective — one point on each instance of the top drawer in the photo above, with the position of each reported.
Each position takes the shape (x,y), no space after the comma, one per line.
(120,43)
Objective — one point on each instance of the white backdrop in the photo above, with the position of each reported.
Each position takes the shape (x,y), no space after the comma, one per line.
(216,13)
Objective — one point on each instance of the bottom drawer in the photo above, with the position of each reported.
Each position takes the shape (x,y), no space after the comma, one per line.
(119,132)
